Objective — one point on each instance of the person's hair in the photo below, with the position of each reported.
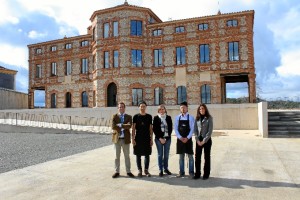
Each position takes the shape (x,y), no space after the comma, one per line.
(198,116)
(161,106)
(122,103)
(142,102)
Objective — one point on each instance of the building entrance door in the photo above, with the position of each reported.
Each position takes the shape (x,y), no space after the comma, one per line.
(111,95)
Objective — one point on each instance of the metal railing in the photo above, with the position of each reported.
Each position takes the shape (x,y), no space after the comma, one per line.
(90,124)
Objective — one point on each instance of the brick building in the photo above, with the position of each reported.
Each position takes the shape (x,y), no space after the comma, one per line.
(130,54)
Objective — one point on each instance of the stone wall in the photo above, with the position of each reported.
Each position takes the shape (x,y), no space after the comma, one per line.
(10,99)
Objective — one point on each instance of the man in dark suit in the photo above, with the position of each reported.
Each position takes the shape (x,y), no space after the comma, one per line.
(121,125)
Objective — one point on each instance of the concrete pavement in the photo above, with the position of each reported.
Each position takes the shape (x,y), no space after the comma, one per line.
(244,166)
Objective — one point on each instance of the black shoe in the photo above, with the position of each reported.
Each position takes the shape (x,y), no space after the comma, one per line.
(196,177)
(130,175)
(180,175)
(116,175)
(205,177)
(161,174)
(140,174)
(168,172)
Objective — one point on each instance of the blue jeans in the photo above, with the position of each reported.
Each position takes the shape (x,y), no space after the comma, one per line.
(181,164)
(163,154)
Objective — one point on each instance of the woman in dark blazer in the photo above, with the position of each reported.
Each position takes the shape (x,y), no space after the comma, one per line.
(203,128)
(162,128)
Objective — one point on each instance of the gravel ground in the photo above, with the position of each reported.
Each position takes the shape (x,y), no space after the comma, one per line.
(19,150)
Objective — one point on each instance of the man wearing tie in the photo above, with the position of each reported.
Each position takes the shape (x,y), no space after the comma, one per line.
(121,125)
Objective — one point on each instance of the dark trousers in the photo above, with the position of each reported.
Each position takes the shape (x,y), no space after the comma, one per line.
(139,162)
(206,169)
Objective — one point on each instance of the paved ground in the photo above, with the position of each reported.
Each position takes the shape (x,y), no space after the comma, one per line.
(244,166)
(19,150)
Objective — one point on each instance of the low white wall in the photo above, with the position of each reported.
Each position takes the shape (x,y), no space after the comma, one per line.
(226,116)
(10,99)
(263,119)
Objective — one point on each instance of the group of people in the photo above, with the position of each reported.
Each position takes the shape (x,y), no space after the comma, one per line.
(143,127)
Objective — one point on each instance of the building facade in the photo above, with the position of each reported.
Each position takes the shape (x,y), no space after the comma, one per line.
(129,54)
(7,78)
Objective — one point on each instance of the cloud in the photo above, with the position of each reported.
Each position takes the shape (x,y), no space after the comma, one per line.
(35,35)
(13,55)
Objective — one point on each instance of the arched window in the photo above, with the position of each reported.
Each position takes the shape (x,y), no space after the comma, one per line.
(68,100)
(84,99)
(181,94)
(53,100)
(205,94)
(158,96)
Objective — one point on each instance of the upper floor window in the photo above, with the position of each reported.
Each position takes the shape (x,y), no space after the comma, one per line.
(106,30)
(158,96)
(84,66)
(181,94)
(136,58)
(106,59)
(68,46)
(232,22)
(137,96)
(179,29)
(38,51)
(53,69)
(204,53)
(233,51)
(136,28)
(53,100)
(38,71)
(53,48)
(205,93)
(116,59)
(68,70)
(180,55)
(157,32)
(84,43)
(157,57)
(203,26)
(84,99)
(116,29)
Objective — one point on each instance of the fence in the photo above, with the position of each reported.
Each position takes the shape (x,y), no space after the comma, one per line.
(90,124)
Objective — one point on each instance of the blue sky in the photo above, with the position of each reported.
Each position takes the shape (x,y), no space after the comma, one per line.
(276,34)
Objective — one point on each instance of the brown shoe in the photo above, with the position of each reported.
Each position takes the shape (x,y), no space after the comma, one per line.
(116,175)
(140,174)
(147,173)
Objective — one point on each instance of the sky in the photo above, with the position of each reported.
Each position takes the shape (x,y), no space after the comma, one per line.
(276,35)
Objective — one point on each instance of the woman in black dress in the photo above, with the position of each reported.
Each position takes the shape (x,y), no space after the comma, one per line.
(142,138)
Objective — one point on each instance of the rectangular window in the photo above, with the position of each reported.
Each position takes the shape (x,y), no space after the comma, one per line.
(136,58)
(68,46)
(180,55)
(137,96)
(115,29)
(53,48)
(38,71)
(203,27)
(38,51)
(84,66)
(136,28)
(53,69)
(233,51)
(106,59)
(204,53)
(179,29)
(106,30)
(68,68)
(232,23)
(157,32)
(116,59)
(84,43)
(158,96)
(157,57)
